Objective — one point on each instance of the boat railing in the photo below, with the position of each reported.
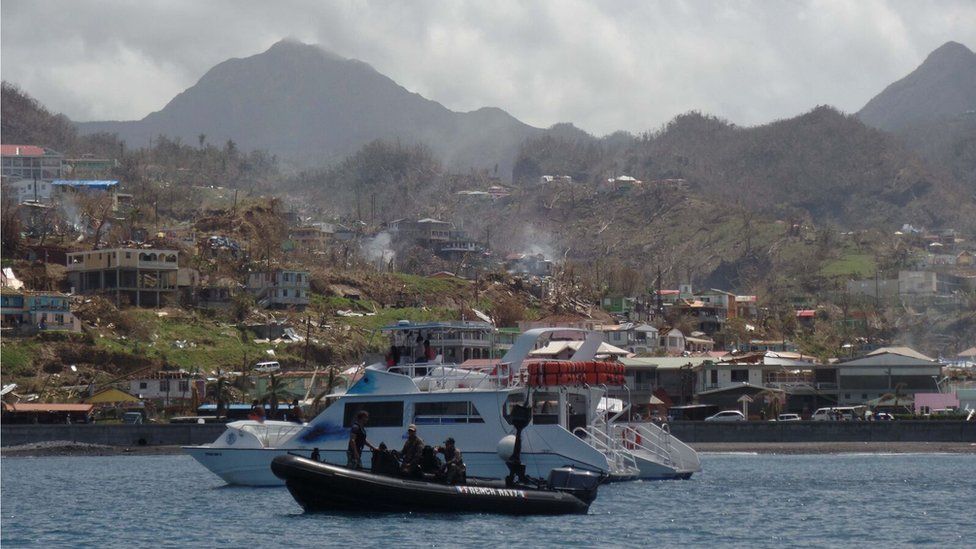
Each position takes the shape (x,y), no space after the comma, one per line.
(270,435)
(659,437)
(622,463)
(639,437)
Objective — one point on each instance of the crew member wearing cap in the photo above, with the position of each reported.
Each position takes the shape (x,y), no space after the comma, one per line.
(453,471)
(412,450)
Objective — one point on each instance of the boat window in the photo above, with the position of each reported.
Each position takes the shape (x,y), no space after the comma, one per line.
(381,414)
(435,413)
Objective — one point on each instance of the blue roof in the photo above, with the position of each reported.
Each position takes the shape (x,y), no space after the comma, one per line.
(89,183)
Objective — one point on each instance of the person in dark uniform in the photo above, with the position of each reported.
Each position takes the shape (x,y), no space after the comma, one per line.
(316,456)
(412,450)
(357,440)
(453,471)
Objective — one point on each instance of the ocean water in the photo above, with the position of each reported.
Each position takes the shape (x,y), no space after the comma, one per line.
(739,500)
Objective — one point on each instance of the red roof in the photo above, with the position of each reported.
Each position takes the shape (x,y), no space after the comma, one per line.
(25,407)
(806,313)
(21,150)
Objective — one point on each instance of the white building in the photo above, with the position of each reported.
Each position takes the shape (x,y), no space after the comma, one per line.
(673,341)
(168,386)
(279,288)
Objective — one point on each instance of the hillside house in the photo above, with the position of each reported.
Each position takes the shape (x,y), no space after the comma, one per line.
(27,311)
(279,288)
(458,246)
(636,338)
(309,238)
(673,342)
(168,386)
(550,179)
(528,264)
(928,283)
(143,277)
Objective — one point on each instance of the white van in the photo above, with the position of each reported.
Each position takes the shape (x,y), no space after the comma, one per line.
(843,413)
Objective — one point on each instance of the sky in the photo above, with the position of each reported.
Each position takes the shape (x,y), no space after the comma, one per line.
(602,65)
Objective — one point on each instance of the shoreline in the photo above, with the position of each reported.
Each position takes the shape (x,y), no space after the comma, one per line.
(815,448)
(69,449)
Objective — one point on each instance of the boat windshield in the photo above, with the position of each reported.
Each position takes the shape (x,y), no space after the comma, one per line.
(271,434)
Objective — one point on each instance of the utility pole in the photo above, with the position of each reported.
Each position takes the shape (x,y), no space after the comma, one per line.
(308,331)
(660,301)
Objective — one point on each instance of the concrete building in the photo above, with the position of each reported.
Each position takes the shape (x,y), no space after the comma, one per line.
(888,370)
(670,378)
(309,238)
(673,341)
(279,288)
(31,162)
(28,190)
(636,338)
(133,276)
(168,386)
(27,311)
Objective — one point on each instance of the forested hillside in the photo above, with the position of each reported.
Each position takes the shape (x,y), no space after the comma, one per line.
(823,166)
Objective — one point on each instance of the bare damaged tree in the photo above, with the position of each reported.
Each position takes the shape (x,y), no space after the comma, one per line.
(96,209)
(10,227)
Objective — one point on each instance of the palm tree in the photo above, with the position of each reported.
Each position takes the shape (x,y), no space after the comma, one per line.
(221,392)
(897,397)
(772,400)
(276,392)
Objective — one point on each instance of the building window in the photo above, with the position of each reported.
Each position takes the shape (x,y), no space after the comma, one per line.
(184,385)
(864,396)
(714,374)
(164,385)
(741,376)
(143,385)
(847,395)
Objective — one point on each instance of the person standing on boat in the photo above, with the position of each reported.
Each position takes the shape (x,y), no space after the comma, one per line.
(453,471)
(357,440)
(412,451)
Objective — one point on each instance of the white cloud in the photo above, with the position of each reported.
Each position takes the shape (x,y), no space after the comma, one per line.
(603,65)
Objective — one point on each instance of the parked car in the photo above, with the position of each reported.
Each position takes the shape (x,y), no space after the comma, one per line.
(727,415)
(132,418)
(882,416)
(788,417)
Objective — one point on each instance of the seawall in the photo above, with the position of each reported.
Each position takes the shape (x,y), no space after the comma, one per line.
(113,434)
(825,431)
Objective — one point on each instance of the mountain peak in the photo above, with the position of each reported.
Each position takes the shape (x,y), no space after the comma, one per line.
(943,86)
(311,106)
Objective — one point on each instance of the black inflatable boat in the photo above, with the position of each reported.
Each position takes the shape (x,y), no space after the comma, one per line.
(324,487)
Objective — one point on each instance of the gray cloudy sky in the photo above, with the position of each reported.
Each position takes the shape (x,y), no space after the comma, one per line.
(603,65)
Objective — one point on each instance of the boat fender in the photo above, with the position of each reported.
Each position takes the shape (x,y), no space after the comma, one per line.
(506,447)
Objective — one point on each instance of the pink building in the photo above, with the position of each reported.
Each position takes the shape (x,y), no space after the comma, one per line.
(925,403)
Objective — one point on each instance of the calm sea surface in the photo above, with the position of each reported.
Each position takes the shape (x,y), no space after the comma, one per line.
(760,501)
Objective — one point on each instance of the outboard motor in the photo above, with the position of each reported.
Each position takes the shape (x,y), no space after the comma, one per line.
(582,484)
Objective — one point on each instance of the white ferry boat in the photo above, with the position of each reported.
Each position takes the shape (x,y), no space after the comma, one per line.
(443,400)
